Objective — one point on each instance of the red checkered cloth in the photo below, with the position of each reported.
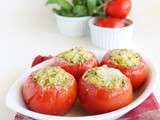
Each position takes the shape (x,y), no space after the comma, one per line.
(148,110)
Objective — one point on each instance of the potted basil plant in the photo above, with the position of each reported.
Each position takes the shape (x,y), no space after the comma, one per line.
(72,16)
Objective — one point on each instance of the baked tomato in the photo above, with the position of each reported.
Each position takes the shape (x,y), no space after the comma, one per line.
(111,22)
(50,90)
(118,8)
(103,89)
(129,63)
(76,61)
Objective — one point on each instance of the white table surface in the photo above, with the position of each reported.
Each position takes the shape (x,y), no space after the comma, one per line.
(28,28)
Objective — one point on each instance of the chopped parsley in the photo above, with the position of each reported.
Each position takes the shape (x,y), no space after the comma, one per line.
(76,55)
(125,58)
(52,76)
(105,77)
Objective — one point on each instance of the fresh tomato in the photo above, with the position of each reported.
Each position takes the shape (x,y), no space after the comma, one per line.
(111,22)
(49,100)
(118,8)
(138,74)
(96,100)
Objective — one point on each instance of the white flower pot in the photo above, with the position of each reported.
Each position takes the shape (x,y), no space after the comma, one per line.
(73,26)
(111,38)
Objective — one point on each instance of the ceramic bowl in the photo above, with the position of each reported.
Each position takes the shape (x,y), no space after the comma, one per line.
(15,101)
(111,38)
(73,26)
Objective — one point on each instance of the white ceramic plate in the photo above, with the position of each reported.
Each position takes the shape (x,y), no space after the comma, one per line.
(15,102)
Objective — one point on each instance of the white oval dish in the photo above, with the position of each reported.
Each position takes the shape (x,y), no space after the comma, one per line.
(15,102)
(111,38)
(73,26)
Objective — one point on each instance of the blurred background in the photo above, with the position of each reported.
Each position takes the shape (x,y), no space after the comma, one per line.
(28,28)
(25,18)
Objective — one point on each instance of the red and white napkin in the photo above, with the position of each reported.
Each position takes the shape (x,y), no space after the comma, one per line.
(148,110)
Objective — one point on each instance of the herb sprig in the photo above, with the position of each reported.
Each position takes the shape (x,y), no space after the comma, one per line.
(78,8)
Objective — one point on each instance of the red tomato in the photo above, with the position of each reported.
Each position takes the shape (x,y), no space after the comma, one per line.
(138,75)
(111,22)
(53,101)
(118,8)
(101,100)
(77,70)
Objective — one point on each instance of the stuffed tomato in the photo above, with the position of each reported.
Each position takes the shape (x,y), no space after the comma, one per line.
(103,89)
(50,90)
(76,61)
(129,63)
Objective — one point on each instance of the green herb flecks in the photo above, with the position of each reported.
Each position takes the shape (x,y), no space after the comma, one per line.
(125,58)
(76,55)
(52,76)
(105,77)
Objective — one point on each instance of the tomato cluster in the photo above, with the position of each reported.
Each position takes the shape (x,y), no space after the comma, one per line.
(95,100)
(117,11)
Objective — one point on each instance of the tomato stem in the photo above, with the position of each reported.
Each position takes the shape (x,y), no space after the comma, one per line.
(107,2)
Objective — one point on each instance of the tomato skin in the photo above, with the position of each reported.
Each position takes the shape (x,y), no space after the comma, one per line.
(138,75)
(101,100)
(111,22)
(118,8)
(52,101)
(77,70)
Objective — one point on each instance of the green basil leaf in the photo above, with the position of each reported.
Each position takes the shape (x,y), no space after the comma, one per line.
(80,10)
(79,2)
(62,3)
(91,4)
(63,12)
(100,2)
